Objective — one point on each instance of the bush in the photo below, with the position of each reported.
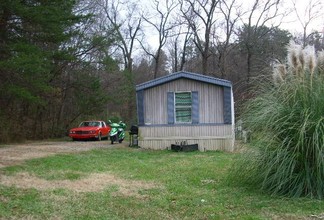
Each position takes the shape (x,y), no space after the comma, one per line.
(287,123)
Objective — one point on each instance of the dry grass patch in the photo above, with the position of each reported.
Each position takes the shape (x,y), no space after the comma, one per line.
(93,183)
(16,154)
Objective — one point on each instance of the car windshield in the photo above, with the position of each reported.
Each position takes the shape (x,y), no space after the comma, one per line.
(90,124)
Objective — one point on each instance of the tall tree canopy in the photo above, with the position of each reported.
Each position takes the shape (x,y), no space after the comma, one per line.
(36,48)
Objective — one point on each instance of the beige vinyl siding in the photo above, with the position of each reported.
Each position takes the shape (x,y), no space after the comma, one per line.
(187,131)
(209,137)
(210,101)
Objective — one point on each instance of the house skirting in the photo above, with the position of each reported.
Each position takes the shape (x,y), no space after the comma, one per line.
(219,137)
(204,143)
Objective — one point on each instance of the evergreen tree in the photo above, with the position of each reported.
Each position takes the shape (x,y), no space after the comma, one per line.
(32,56)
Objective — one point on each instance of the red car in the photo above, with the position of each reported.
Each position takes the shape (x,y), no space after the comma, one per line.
(90,130)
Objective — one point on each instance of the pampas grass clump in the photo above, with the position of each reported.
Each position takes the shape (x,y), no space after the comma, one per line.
(287,125)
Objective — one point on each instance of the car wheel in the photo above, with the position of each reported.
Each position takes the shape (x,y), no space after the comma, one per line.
(99,137)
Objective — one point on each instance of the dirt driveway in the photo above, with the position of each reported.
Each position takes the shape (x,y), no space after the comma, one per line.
(17,153)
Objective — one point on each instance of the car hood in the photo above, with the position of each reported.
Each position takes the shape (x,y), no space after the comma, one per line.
(84,129)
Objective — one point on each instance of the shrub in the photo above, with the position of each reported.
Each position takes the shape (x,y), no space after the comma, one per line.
(287,123)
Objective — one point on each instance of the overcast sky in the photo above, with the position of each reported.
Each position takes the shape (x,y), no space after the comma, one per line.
(293,22)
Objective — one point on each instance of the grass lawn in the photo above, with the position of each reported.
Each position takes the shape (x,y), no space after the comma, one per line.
(129,183)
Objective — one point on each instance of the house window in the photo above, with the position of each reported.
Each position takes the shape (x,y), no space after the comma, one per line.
(183,103)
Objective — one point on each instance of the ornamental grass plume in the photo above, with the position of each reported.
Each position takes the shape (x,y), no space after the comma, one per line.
(296,61)
(310,55)
(285,156)
(320,61)
(279,73)
(301,63)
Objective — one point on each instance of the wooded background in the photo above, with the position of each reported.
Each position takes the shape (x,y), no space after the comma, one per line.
(63,61)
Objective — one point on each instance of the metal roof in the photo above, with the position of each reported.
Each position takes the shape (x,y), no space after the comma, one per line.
(183,74)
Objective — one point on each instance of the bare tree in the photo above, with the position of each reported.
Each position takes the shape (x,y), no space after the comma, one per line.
(223,33)
(178,46)
(261,14)
(161,22)
(120,21)
(312,11)
(126,20)
(200,16)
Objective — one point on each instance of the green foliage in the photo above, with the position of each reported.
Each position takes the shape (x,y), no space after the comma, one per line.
(35,48)
(115,119)
(263,42)
(261,45)
(287,124)
(87,95)
(39,67)
(121,92)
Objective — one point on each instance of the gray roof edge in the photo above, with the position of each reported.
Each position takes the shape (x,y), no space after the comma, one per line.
(183,74)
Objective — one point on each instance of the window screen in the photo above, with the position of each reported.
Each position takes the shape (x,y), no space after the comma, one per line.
(183,107)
